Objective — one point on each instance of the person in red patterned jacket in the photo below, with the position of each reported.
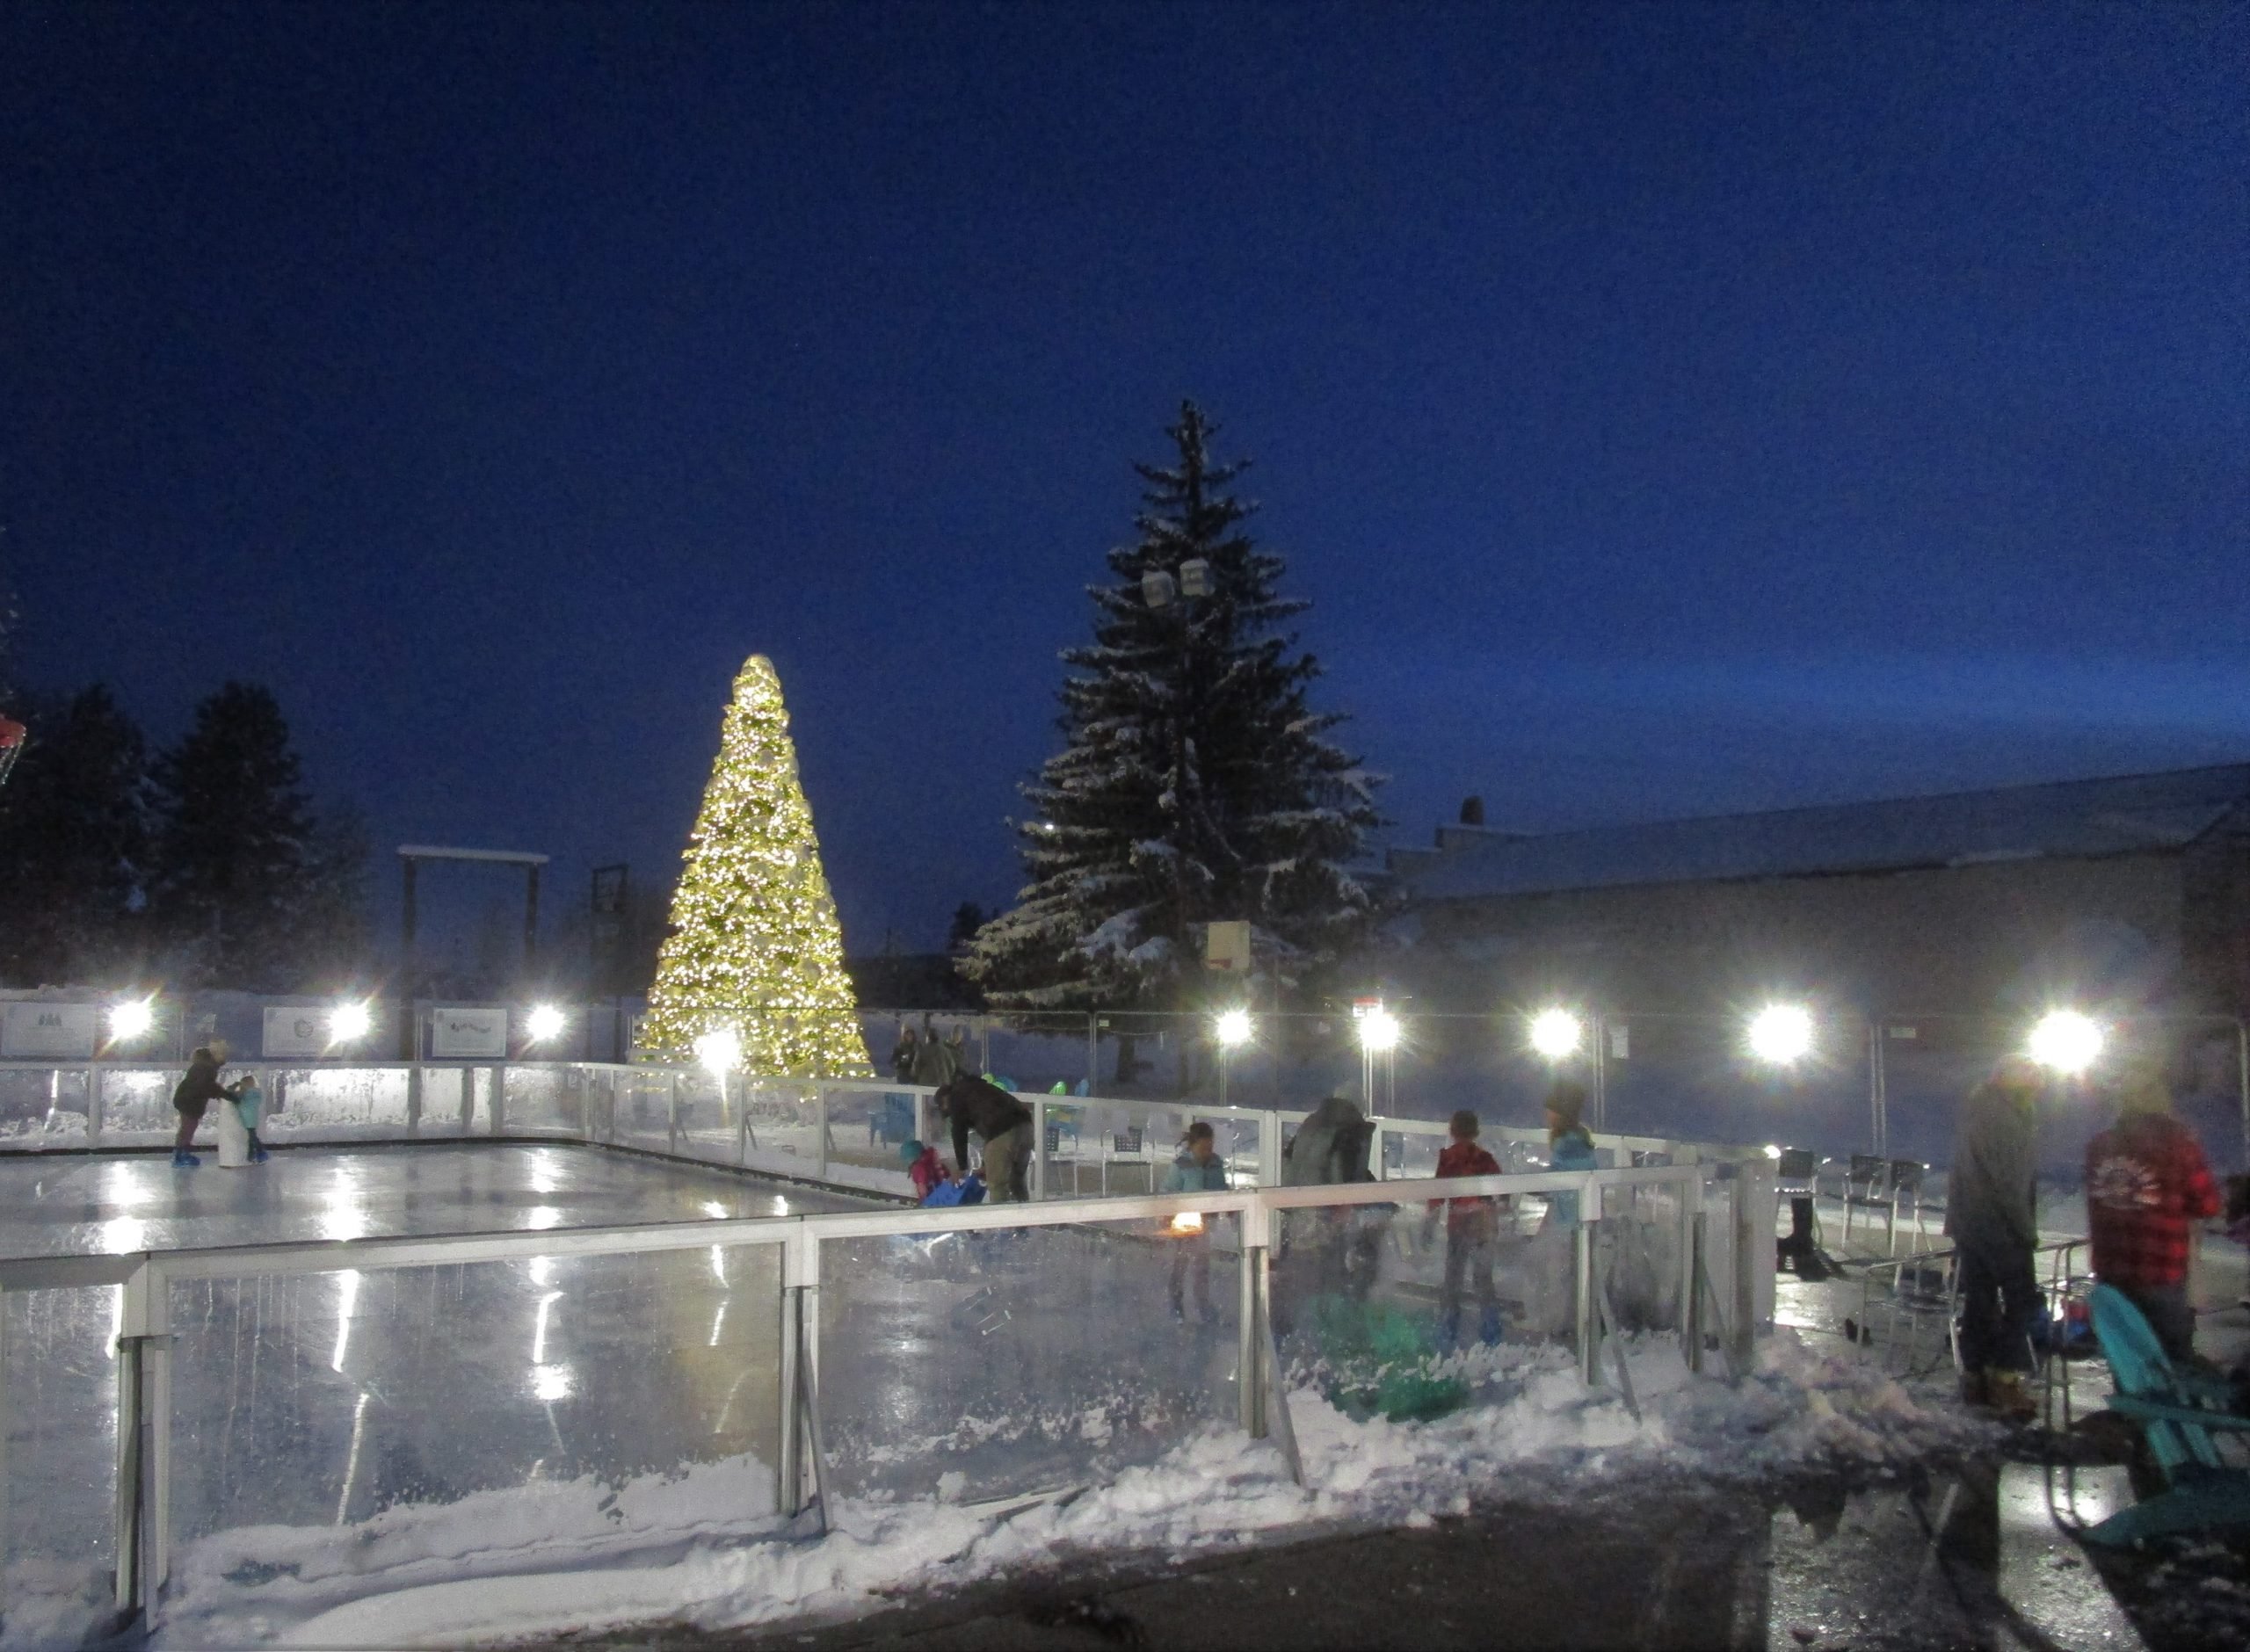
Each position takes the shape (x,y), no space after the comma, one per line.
(2146,1186)
(1472,1229)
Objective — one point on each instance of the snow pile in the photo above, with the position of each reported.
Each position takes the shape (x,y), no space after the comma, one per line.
(704,1545)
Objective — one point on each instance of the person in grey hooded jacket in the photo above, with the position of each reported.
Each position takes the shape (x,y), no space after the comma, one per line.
(1992,1216)
(1339,1249)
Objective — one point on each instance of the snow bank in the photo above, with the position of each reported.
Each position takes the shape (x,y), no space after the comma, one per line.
(705,1546)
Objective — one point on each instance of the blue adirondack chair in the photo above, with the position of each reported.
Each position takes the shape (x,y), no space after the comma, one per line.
(2180,1413)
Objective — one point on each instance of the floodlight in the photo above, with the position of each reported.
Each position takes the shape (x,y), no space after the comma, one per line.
(2066,1042)
(1378,1031)
(1781,1034)
(1555,1035)
(131,1019)
(545,1022)
(348,1022)
(720,1051)
(1232,1028)
(1772,1152)
(1187,1221)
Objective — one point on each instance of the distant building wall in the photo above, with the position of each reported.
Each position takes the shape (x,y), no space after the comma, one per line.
(1953,939)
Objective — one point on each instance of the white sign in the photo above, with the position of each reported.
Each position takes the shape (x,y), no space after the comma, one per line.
(469,1033)
(301,1031)
(69,1031)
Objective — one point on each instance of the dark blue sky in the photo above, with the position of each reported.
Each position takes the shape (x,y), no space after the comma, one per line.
(1666,407)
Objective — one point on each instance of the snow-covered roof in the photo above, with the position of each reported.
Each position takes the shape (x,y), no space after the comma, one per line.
(2069,819)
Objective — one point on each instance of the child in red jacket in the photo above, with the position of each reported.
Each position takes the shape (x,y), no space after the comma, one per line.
(1472,1231)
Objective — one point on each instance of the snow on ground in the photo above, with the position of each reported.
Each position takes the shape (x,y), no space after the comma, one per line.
(705,1546)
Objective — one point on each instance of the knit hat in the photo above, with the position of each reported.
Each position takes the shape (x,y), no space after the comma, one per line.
(909,1151)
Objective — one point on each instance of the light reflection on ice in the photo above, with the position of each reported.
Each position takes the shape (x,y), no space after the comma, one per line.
(540,1217)
(123,1235)
(347,1299)
(551,1382)
(539,1327)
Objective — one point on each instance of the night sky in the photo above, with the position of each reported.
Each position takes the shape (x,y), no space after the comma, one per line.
(1666,408)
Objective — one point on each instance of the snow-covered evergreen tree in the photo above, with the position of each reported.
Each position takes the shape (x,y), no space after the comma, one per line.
(1195,784)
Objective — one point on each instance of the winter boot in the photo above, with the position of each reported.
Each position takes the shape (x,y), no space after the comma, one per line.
(2006,1393)
(183,1160)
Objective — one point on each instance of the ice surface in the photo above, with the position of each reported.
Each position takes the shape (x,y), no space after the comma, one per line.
(116,1205)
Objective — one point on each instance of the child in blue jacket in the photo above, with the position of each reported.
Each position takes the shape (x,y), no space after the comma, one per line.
(1198,1169)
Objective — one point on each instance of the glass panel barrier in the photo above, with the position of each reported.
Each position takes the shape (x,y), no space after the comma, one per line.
(710,1118)
(443,1112)
(338,1434)
(61,1482)
(642,1116)
(42,1107)
(137,1107)
(1640,1255)
(867,1127)
(976,1365)
(1376,1305)
(334,1104)
(543,1100)
(784,1128)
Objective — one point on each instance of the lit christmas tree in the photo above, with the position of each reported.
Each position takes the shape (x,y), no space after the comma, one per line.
(755,949)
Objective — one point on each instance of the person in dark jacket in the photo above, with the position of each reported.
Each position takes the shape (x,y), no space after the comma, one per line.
(1473,1232)
(1343,1244)
(970,1103)
(196,1090)
(1990,1213)
(1199,1168)
(936,1063)
(2148,1184)
(903,1055)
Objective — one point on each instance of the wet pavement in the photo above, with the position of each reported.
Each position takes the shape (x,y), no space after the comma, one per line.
(1966,1557)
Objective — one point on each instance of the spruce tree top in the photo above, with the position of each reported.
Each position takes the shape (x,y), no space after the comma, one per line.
(1195,783)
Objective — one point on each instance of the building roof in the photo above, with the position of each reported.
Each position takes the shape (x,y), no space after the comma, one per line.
(2068,820)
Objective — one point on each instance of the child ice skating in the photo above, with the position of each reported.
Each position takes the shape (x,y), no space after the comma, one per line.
(250,1107)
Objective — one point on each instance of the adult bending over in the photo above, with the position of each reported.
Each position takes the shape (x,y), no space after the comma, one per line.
(196,1090)
(971,1103)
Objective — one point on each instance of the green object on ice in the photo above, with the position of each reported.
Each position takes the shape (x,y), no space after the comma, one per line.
(1379,1363)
